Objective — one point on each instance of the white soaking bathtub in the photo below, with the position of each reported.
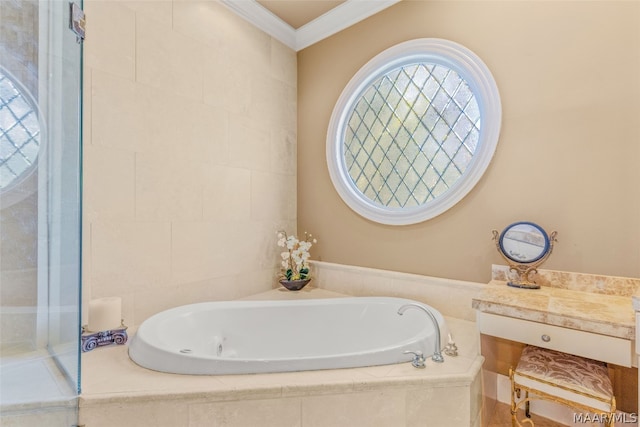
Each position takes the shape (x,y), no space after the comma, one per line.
(241,337)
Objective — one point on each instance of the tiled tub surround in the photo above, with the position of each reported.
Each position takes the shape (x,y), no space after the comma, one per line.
(450,297)
(118,392)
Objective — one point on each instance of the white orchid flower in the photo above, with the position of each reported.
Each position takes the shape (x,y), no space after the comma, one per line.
(295,256)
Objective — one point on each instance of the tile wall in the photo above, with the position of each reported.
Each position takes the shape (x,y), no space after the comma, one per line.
(189,154)
(450,297)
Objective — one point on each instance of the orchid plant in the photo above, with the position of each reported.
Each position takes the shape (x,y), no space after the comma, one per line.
(294,258)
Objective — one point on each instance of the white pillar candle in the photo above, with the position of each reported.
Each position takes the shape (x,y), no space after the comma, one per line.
(105,314)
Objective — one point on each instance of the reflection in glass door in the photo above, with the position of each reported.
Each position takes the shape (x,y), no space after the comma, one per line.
(40,205)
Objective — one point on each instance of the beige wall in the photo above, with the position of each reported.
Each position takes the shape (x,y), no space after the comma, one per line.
(569,150)
(189,154)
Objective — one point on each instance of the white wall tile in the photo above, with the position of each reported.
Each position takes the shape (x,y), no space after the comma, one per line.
(208,132)
(450,297)
(225,83)
(266,92)
(161,11)
(136,414)
(198,250)
(155,114)
(108,190)
(207,102)
(249,143)
(376,408)
(169,187)
(128,256)
(196,19)
(432,407)
(110,43)
(167,59)
(284,63)
(226,194)
(273,196)
(283,151)
(263,413)
(115,111)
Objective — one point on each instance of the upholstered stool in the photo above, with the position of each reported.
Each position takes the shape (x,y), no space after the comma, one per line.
(580,383)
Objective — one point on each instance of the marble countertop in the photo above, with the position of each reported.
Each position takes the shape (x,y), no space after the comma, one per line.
(610,315)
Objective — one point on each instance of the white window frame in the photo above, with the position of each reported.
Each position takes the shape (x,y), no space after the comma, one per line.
(429,50)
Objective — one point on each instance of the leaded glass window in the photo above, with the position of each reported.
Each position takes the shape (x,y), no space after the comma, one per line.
(411,130)
(19,131)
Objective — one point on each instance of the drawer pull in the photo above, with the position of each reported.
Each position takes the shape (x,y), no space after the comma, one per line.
(546,338)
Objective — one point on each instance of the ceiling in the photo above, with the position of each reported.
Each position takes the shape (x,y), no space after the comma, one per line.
(301,23)
(297,13)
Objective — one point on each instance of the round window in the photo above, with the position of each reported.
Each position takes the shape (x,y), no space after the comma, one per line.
(20,132)
(413,131)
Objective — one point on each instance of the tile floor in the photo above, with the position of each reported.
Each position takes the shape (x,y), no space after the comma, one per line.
(502,418)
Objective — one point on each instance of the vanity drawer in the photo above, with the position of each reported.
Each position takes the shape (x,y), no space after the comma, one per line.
(609,349)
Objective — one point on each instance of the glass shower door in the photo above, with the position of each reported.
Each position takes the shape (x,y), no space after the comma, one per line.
(63,211)
(40,207)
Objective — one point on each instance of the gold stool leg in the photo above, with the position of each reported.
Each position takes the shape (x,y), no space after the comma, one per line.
(513,399)
(612,413)
(516,394)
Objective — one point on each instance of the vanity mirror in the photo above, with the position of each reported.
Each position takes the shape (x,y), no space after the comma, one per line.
(525,246)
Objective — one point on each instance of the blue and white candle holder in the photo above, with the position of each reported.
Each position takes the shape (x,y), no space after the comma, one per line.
(91,340)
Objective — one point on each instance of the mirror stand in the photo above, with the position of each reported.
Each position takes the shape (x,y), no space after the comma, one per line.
(525,270)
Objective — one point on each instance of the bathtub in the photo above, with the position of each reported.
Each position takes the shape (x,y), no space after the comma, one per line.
(242,337)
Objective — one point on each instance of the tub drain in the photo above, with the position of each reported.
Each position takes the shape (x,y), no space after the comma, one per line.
(185,350)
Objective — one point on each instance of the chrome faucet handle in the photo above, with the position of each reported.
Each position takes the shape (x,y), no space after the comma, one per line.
(437,353)
(418,358)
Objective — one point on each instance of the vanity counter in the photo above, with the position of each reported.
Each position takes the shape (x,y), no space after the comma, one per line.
(609,315)
(592,325)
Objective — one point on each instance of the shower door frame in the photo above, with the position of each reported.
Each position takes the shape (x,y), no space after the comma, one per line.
(56,45)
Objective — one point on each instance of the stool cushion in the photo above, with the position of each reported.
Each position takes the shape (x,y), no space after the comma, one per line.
(567,376)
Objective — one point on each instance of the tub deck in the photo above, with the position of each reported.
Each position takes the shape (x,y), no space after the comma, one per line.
(116,391)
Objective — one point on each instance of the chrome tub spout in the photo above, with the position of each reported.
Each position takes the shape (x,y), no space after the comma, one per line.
(437,354)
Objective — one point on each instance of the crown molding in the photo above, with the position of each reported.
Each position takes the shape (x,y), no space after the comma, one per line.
(262,18)
(343,16)
(332,22)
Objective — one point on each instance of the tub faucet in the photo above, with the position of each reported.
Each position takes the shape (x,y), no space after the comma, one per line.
(418,358)
(437,354)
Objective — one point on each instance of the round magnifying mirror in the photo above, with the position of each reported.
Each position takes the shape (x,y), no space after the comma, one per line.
(524,242)
(525,246)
